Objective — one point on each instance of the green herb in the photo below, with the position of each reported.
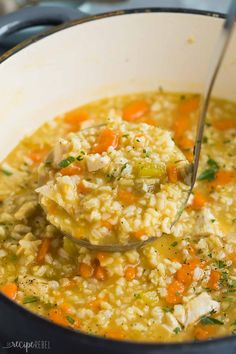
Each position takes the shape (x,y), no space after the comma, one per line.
(66,162)
(123,167)
(234,323)
(125,136)
(70,320)
(177,330)
(209,173)
(147,153)
(220,264)
(205,140)
(213,220)
(137,296)
(79,158)
(168,309)
(6,172)
(30,299)
(174,244)
(205,320)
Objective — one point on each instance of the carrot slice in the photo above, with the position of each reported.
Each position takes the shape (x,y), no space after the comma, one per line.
(148,120)
(172,173)
(65,308)
(101,256)
(223,177)
(106,139)
(186,143)
(100,273)
(75,117)
(57,316)
(138,234)
(127,197)
(43,250)
(85,270)
(37,155)
(213,282)
(130,273)
(71,170)
(175,292)
(184,274)
(199,200)
(115,334)
(189,105)
(135,110)
(203,332)
(224,124)
(9,290)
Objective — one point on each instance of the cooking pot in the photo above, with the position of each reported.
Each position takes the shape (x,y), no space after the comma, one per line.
(85,60)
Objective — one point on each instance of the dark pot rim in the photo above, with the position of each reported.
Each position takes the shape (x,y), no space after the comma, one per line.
(126,345)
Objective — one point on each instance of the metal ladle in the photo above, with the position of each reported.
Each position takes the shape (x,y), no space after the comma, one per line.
(218,56)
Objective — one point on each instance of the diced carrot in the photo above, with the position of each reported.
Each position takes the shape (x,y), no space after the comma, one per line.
(10,290)
(213,282)
(75,118)
(130,273)
(233,257)
(115,334)
(65,308)
(95,305)
(70,285)
(57,316)
(175,292)
(172,173)
(37,155)
(148,120)
(100,273)
(186,143)
(199,201)
(138,234)
(107,224)
(188,155)
(85,270)
(189,105)
(224,124)
(203,332)
(71,170)
(184,274)
(127,197)
(82,188)
(43,250)
(180,125)
(106,139)
(191,250)
(223,177)
(101,256)
(135,110)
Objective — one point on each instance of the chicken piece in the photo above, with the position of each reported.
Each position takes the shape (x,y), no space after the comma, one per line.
(199,306)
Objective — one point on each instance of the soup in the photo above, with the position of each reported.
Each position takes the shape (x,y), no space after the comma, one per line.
(180,287)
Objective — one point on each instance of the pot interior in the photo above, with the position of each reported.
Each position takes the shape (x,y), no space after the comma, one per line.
(108,56)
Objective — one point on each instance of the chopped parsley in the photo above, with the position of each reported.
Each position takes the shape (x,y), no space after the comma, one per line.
(146,153)
(30,299)
(174,244)
(220,264)
(6,172)
(209,173)
(66,162)
(206,320)
(177,330)
(70,320)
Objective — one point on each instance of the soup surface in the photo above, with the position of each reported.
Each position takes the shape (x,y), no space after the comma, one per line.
(182,286)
